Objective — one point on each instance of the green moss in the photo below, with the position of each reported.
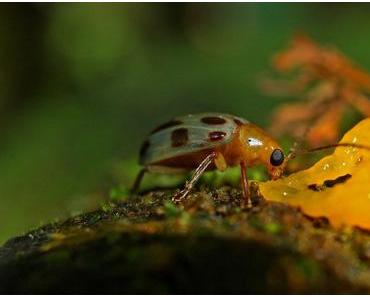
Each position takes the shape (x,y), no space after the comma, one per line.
(310,269)
(231,176)
(171,210)
(273,228)
(237,209)
(120,193)
(108,206)
(256,222)
(94,219)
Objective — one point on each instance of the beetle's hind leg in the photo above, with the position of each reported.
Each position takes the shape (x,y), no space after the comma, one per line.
(139,178)
(180,195)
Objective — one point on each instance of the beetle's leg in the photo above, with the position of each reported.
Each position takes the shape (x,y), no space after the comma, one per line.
(244,182)
(220,162)
(196,175)
(135,187)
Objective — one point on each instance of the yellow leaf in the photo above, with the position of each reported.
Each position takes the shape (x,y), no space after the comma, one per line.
(337,186)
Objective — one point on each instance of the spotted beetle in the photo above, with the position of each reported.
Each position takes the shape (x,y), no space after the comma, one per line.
(209,141)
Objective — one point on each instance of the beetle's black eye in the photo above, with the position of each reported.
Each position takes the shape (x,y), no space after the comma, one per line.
(277,157)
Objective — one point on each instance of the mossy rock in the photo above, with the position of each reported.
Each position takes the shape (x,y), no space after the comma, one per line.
(209,244)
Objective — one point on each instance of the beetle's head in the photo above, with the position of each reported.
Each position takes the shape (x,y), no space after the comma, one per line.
(261,148)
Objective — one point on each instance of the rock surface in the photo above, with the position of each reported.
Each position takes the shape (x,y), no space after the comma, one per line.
(209,244)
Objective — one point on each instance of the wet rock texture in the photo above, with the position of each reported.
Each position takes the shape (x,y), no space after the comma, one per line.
(209,244)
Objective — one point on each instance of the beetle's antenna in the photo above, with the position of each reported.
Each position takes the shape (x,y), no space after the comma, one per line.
(354,145)
(293,152)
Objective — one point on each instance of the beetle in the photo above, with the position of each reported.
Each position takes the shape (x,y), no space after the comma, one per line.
(208,141)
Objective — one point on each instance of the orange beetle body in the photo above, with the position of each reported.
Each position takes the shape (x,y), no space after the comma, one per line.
(209,141)
(237,152)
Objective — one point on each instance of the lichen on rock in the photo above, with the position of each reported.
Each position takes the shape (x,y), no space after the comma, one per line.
(209,244)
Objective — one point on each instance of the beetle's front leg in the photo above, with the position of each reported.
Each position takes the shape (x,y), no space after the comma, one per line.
(180,195)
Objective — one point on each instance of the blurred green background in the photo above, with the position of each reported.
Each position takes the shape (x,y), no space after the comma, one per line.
(82,84)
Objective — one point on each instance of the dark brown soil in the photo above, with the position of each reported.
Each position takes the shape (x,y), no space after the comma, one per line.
(209,244)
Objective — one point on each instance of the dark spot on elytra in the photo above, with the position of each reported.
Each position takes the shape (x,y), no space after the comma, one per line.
(213,120)
(179,137)
(144,148)
(169,124)
(216,135)
(238,122)
(329,183)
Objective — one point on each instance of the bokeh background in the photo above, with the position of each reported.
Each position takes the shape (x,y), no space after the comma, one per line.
(82,84)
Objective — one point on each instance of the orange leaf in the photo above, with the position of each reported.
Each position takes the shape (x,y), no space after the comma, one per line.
(337,186)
